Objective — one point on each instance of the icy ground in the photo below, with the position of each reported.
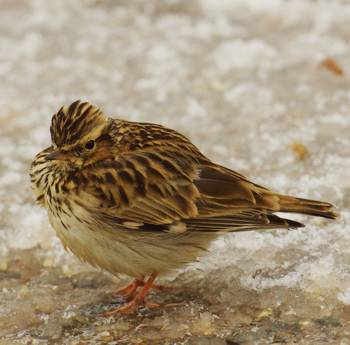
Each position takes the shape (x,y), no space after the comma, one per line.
(249,83)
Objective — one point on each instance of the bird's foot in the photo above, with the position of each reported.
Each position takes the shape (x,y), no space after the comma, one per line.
(138,297)
(128,291)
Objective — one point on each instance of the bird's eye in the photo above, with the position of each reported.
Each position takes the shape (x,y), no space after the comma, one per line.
(90,145)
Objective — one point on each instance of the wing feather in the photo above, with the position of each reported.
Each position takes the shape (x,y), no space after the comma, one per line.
(240,223)
(165,186)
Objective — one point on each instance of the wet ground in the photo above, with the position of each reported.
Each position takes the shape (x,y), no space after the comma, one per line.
(261,87)
(50,305)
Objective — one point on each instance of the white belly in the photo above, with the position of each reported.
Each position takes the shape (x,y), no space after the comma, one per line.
(96,246)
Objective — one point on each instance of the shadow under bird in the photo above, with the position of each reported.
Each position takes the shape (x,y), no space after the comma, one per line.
(142,200)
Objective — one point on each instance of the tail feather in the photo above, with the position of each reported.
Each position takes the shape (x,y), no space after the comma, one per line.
(306,206)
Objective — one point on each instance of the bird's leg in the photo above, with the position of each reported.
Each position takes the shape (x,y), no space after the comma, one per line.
(128,291)
(138,300)
(143,293)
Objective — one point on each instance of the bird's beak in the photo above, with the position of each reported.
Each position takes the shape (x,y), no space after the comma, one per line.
(57,155)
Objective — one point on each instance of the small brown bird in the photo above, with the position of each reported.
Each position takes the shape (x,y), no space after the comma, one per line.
(142,200)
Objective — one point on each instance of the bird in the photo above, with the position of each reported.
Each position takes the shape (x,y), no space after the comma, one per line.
(140,199)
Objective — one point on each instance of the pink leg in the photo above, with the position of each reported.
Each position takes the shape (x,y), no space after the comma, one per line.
(129,291)
(138,300)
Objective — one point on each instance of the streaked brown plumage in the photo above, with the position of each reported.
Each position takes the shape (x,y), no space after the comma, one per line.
(140,199)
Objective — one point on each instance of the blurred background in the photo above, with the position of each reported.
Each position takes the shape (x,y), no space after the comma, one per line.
(259,86)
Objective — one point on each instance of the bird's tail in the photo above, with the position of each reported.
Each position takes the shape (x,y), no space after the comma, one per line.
(306,206)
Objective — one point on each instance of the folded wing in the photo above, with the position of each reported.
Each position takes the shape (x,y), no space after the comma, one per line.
(158,190)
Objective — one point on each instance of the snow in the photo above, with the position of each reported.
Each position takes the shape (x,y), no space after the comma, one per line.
(239,54)
(243,80)
(344,296)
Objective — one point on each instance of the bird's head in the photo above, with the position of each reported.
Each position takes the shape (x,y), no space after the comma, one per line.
(80,136)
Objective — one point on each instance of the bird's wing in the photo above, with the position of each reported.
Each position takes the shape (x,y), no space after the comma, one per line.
(146,187)
(167,189)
